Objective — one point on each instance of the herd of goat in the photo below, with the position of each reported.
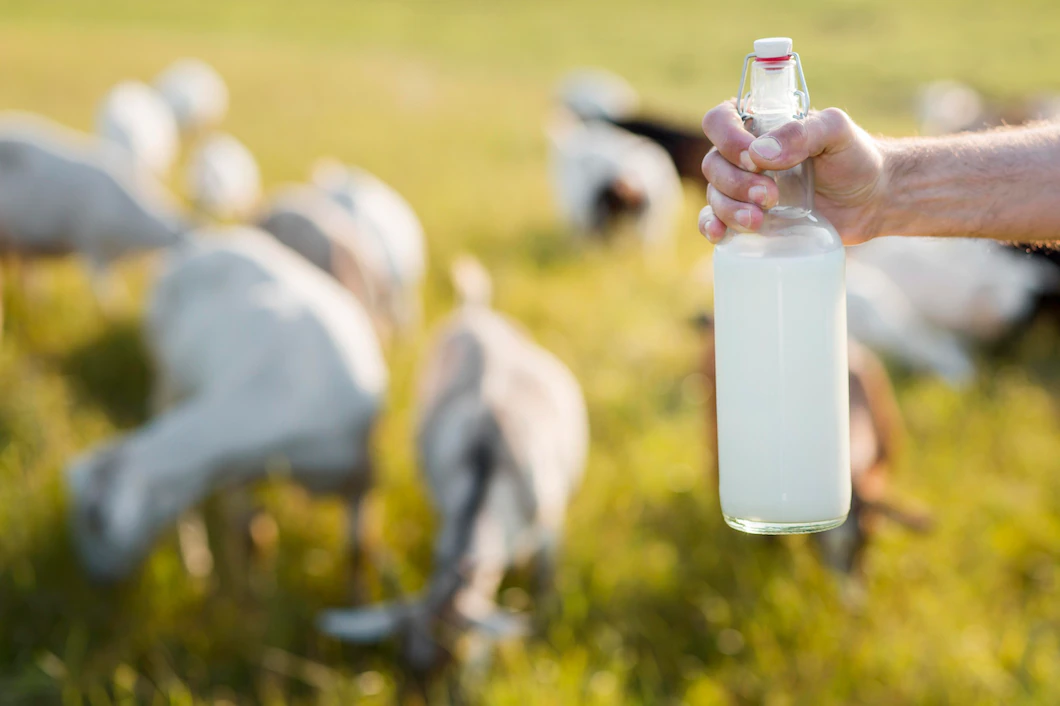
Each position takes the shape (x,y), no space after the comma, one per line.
(267,334)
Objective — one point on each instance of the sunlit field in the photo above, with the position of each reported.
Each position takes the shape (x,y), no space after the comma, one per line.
(660,601)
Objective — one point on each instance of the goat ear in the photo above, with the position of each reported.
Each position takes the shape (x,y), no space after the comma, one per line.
(501,625)
(363,625)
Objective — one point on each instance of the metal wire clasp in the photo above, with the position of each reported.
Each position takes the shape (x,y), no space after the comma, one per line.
(803,94)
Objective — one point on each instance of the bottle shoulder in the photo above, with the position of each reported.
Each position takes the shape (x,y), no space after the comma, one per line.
(783,236)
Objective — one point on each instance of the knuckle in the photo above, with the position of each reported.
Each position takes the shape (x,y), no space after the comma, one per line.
(721,203)
(710,120)
(794,132)
(713,198)
(736,183)
(836,116)
(725,131)
(732,142)
(709,162)
(716,168)
(837,121)
(719,115)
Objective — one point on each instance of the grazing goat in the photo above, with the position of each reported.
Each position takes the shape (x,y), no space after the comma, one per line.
(881,315)
(195,92)
(63,192)
(1027,275)
(597,94)
(135,116)
(306,220)
(223,179)
(263,363)
(973,288)
(382,213)
(876,437)
(593,94)
(875,441)
(602,176)
(503,437)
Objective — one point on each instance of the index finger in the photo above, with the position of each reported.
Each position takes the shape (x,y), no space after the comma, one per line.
(723,126)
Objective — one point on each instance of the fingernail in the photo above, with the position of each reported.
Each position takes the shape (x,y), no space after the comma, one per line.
(759,194)
(747,163)
(743,217)
(768,147)
(706,216)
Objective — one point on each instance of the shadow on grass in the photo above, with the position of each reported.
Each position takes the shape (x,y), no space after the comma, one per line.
(1038,350)
(112,371)
(548,247)
(543,246)
(692,609)
(53,619)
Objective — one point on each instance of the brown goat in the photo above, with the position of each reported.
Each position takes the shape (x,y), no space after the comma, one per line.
(876,436)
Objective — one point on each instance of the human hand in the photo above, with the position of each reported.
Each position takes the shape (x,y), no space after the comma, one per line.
(849,169)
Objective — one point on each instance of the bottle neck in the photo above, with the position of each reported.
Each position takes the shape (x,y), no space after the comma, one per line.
(774,103)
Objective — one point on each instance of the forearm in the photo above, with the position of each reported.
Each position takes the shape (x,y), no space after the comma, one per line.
(1003,185)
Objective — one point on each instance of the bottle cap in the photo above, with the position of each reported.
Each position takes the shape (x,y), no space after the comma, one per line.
(773,48)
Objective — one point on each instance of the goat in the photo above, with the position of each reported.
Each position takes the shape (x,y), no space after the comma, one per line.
(135,116)
(261,360)
(195,92)
(304,219)
(502,439)
(602,175)
(381,212)
(597,94)
(875,442)
(593,94)
(975,289)
(881,315)
(63,192)
(223,179)
(876,439)
(1024,284)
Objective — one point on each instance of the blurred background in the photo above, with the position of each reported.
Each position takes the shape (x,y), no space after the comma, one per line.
(660,601)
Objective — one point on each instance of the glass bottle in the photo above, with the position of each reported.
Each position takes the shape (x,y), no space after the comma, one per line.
(781,340)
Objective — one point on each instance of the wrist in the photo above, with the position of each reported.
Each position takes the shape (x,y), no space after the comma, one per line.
(896,214)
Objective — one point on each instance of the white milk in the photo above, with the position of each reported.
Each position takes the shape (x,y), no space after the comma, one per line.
(783,400)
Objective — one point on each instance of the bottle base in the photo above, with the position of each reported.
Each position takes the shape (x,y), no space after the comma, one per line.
(759,527)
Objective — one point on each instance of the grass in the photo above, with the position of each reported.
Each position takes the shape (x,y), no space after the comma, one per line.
(661,602)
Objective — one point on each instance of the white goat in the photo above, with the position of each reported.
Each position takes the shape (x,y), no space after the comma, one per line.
(223,179)
(602,174)
(135,116)
(502,437)
(974,288)
(382,210)
(598,94)
(64,192)
(383,213)
(267,363)
(195,92)
(881,316)
(309,222)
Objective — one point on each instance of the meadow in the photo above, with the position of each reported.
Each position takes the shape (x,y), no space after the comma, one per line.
(660,602)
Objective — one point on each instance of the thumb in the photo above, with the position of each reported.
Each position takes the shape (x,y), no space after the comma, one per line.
(827,131)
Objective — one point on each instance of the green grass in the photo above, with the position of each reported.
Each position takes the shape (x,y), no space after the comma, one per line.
(661,602)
